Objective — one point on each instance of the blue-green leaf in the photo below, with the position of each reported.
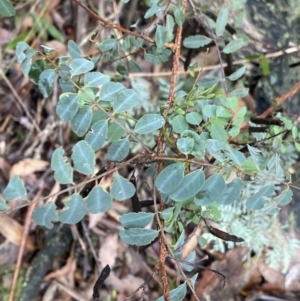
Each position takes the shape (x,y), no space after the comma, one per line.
(94,79)
(233,46)
(27,62)
(170,178)
(82,120)
(149,123)
(115,132)
(161,36)
(236,156)
(46,81)
(63,172)
(185,145)
(209,110)
(211,190)
(231,192)
(74,210)
(217,132)
(45,215)
(67,106)
(125,100)
(98,200)
(179,15)
(256,201)
(6,9)
(285,197)
(176,294)
(14,190)
(257,157)
(109,91)
(138,237)
(80,66)
(20,48)
(223,112)
(189,186)
(193,118)
(122,189)
(83,157)
(241,92)
(179,124)
(74,50)
(215,147)
(118,151)
(237,74)
(107,45)
(221,22)
(97,135)
(136,220)
(190,258)
(196,41)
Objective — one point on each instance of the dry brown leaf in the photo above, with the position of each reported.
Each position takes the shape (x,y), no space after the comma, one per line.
(27,167)
(271,275)
(13,231)
(94,219)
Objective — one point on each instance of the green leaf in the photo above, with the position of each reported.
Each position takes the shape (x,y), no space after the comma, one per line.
(233,46)
(232,102)
(125,100)
(185,145)
(170,178)
(95,79)
(45,215)
(121,69)
(14,190)
(222,20)
(215,148)
(80,66)
(63,172)
(196,41)
(176,294)
(265,66)
(149,123)
(211,190)
(83,157)
(67,106)
(179,15)
(98,200)
(122,189)
(193,118)
(136,220)
(223,112)
(115,132)
(199,143)
(110,90)
(86,95)
(134,66)
(209,111)
(82,120)
(190,258)
(46,81)
(257,157)
(231,192)
(295,132)
(35,71)
(285,197)
(74,50)
(138,237)
(118,151)
(3,205)
(236,156)
(107,45)
(237,74)
(6,9)
(74,210)
(179,124)
(160,36)
(189,186)
(170,27)
(242,92)
(256,201)
(26,64)
(97,135)
(217,132)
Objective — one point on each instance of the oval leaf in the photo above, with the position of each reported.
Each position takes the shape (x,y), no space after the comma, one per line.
(136,220)
(211,190)
(74,210)
(118,151)
(67,106)
(98,200)
(189,186)
(285,197)
(122,189)
(63,172)
(161,36)
(256,201)
(196,41)
(138,237)
(170,178)
(15,189)
(83,157)
(94,79)
(74,50)
(97,136)
(221,21)
(149,123)
(231,192)
(110,90)
(82,120)
(80,66)
(46,81)
(125,100)
(233,46)
(45,215)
